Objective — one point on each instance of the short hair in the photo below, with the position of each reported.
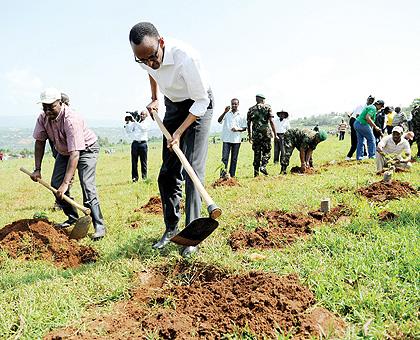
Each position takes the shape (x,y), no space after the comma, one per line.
(234,99)
(141,30)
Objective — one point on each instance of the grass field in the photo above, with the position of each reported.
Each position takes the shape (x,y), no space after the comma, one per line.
(363,270)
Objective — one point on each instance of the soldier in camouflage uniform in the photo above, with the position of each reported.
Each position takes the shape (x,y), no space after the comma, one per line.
(416,127)
(305,141)
(260,130)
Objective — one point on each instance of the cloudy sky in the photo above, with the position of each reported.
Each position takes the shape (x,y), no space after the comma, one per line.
(307,57)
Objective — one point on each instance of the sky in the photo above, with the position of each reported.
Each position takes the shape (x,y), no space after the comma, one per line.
(307,57)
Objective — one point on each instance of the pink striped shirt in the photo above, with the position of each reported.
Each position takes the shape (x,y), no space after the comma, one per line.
(68,131)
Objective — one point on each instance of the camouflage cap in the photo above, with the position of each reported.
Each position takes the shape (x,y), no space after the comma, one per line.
(322,135)
(260,95)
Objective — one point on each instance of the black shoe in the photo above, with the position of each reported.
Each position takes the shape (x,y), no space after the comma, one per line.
(283,170)
(256,173)
(166,238)
(189,251)
(99,233)
(263,170)
(65,224)
(135,180)
(223,173)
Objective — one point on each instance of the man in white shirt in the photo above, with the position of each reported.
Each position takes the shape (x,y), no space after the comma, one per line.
(233,124)
(176,69)
(137,128)
(281,124)
(392,148)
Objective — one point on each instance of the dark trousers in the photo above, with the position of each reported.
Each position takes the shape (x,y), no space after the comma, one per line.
(233,150)
(389,129)
(278,147)
(86,168)
(341,136)
(193,143)
(138,149)
(353,136)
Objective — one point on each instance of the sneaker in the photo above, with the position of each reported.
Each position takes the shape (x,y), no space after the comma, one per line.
(166,238)
(263,170)
(135,180)
(348,158)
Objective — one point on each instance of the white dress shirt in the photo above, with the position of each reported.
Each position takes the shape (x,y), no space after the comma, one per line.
(281,125)
(138,131)
(357,111)
(388,146)
(231,120)
(181,76)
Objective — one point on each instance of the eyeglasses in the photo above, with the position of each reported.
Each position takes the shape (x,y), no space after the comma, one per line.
(153,57)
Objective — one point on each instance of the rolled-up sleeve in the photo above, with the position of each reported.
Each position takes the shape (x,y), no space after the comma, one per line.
(74,135)
(197,86)
(39,131)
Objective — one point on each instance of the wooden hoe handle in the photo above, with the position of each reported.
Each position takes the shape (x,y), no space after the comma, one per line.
(212,208)
(85,210)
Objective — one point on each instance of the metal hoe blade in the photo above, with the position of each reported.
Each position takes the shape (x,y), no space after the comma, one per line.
(195,232)
(81,228)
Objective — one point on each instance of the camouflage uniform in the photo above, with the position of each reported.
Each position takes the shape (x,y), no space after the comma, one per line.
(416,127)
(259,115)
(297,138)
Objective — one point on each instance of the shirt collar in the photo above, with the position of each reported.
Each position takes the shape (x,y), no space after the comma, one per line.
(168,58)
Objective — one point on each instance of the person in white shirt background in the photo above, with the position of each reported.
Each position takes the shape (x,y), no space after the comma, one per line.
(137,128)
(175,68)
(282,124)
(394,147)
(233,124)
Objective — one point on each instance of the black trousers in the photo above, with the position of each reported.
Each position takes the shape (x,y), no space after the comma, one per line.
(278,147)
(341,136)
(233,150)
(138,149)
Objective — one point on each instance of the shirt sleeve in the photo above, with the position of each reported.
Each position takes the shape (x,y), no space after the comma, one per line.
(407,148)
(39,131)
(383,142)
(197,86)
(74,135)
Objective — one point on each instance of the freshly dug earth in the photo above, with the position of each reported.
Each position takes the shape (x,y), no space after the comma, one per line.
(226,182)
(386,215)
(298,170)
(37,239)
(284,228)
(154,206)
(382,191)
(203,302)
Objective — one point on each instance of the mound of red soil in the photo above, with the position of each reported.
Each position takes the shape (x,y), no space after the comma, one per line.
(283,229)
(336,214)
(383,191)
(210,304)
(37,239)
(154,206)
(298,170)
(386,215)
(226,182)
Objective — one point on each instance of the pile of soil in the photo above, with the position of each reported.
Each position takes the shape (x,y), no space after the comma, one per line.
(283,228)
(226,182)
(37,239)
(336,214)
(298,170)
(154,206)
(382,191)
(386,215)
(209,304)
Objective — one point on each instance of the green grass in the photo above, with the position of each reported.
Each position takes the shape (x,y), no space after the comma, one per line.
(365,271)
